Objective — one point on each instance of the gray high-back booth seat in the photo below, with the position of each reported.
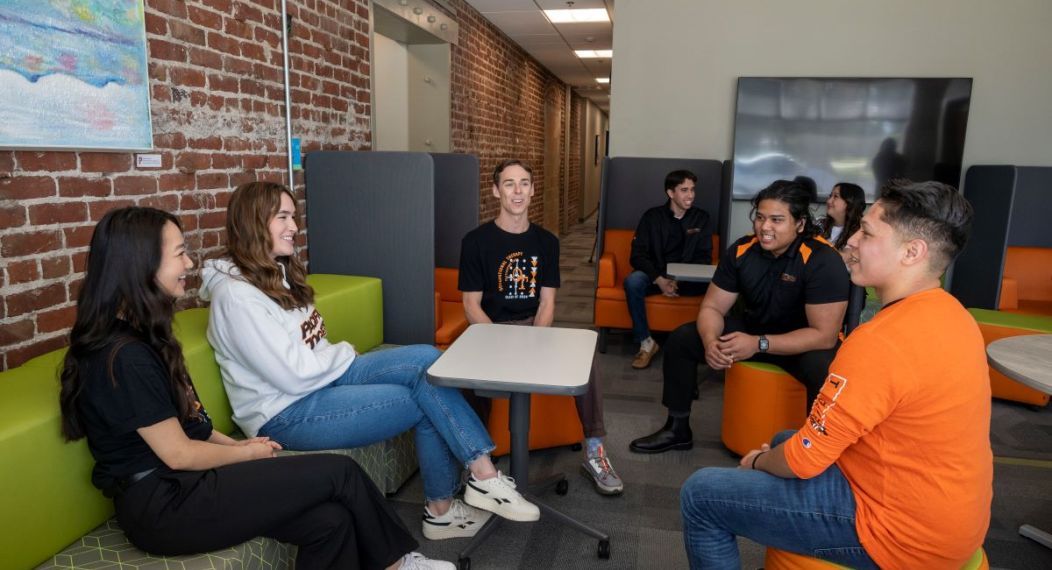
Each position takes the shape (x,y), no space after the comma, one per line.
(456,204)
(632,185)
(373,214)
(1011,206)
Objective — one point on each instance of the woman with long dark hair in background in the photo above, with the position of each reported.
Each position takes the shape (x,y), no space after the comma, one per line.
(178,486)
(844,209)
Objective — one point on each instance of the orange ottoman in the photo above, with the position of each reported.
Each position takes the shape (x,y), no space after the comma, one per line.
(553,422)
(783,560)
(759,400)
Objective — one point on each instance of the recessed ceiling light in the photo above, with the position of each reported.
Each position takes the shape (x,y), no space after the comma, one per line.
(602,80)
(594,53)
(577,16)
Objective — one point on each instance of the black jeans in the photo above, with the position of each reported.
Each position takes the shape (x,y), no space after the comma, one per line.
(684,351)
(323,503)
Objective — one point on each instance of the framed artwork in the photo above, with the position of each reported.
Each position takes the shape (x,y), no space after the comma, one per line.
(73,75)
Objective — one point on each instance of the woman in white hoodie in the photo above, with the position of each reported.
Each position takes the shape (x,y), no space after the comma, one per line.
(286,381)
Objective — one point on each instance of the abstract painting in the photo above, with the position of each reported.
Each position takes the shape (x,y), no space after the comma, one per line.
(73,75)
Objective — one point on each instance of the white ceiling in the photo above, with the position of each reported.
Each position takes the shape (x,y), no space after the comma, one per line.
(553,45)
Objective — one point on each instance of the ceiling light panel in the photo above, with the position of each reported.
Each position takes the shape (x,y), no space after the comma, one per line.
(594,53)
(575,16)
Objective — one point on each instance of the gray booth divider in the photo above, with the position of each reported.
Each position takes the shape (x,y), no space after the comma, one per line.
(1011,203)
(373,214)
(456,204)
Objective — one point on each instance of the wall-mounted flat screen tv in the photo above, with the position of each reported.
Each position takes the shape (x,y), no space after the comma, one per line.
(861,130)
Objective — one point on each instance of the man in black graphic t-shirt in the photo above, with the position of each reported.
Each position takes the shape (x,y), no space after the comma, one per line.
(509,273)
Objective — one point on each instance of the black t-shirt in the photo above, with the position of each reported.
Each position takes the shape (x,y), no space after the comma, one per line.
(112,408)
(509,269)
(773,290)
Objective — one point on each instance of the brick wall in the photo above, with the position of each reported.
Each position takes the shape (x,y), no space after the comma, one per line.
(499,95)
(218,120)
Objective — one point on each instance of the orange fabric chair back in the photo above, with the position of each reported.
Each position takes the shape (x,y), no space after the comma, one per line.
(1031,267)
(619,243)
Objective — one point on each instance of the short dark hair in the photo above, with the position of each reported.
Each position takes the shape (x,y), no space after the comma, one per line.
(796,195)
(676,177)
(505,164)
(932,211)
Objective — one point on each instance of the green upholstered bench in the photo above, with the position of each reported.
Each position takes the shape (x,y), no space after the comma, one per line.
(999,324)
(48,499)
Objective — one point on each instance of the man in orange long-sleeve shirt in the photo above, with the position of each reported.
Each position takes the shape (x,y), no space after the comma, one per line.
(893,467)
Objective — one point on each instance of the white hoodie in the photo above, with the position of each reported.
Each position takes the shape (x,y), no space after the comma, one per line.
(269,357)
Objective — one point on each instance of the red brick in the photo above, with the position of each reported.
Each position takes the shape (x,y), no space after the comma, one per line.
(225,161)
(28,243)
(187,77)
(80,261)
(184,32)
(14,333)
(54,267)
(208,143)
(18,356)
(190,162)
(22,272)
(7,162)
(169,182)
(212,220)
(26,187)
(57,319)
(156,25)
(206,18)
(35,299)
(69,187)
(213,180)
(98,209)
(167,51)
(221,6)
(134,185)
(224,44)
(175,8)
(62,212)
(48,161)
(226,83)
(173,141)
(105,162)
(206,58)
(166,202)
(233,27)
(161,93)
(79,236)
(12,216)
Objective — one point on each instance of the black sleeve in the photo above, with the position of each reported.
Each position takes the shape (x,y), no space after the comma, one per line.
(139,395)
(726,276)
(472,275)
(703,251)
(550,275)
(827,278)
(641,259)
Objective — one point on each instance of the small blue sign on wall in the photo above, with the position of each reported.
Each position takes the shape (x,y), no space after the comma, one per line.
(297,157)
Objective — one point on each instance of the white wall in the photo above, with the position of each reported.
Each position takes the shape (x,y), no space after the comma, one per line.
(676,64)
(595,124)
(390,94)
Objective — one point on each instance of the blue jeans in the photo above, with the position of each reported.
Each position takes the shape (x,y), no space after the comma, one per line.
(814,517)
(380,395)
(638,286)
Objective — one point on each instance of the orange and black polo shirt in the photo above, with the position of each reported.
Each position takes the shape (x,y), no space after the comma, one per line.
(773,290)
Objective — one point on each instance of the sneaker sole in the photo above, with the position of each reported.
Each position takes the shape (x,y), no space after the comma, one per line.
(435,532)
(480,501)
(673,447)
(599,487)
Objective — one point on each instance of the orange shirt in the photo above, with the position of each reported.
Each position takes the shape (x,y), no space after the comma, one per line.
(905,414)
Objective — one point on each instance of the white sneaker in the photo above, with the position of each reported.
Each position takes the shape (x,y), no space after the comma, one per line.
(460,521)
(498,496)
(417,561)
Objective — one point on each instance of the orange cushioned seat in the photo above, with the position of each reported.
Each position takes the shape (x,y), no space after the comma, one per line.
(782,560)
(759,400)
(1026,283)
(450,320)
(611,310)
(553,423)
(1001,324)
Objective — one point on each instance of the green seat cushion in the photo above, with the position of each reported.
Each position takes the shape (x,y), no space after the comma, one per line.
(1035,323)
(762,366)
(49,500)
(352,307)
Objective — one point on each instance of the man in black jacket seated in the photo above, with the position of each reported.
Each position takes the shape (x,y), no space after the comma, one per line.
(675,232)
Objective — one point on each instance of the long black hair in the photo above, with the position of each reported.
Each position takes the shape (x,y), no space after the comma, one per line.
(855,199)
(119,302)
(795,194)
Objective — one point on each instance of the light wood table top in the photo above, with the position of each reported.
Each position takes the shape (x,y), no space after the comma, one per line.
(1026,359)
(698,272)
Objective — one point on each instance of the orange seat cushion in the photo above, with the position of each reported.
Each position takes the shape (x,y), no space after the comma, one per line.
(776,559)
(454,323)
(1028,272)
(759,400)
(553,423)
(1002,386)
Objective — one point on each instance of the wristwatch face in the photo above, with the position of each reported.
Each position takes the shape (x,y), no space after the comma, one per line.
(763,344)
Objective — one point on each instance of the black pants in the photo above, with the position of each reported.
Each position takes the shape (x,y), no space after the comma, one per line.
(324,504)
(684,351)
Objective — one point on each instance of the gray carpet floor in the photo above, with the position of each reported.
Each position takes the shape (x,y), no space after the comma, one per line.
(644,522)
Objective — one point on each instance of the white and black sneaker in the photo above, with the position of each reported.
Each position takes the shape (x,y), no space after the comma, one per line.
(417,561)
(498,496)
(460,521)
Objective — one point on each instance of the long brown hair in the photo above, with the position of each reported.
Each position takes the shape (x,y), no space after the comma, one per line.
(252,206)
(121,302)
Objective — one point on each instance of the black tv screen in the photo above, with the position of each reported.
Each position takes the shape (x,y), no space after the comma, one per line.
(861,130)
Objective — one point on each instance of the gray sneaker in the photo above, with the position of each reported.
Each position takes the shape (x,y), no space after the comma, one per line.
(602,474)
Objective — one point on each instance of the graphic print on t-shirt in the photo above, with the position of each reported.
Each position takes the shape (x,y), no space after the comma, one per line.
(517,276)
(826,401)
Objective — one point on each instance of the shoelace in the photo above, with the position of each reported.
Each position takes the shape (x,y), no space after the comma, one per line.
(603,464)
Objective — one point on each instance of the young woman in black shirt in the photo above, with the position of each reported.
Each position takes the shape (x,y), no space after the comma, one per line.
(178,486)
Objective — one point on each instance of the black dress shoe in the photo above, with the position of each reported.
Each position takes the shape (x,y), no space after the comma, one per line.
(675,434)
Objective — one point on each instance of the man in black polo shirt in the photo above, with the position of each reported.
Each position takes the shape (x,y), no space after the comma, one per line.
(794,289)
(674,232)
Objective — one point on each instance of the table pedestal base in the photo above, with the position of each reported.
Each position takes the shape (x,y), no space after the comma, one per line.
(1037,535)
(519,426)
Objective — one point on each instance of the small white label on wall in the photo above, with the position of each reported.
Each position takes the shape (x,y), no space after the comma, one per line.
(147,161)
